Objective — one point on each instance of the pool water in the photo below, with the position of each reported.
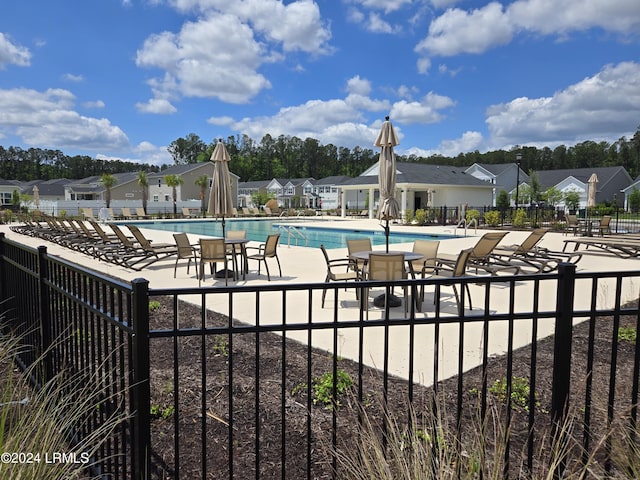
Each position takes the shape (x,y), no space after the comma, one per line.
(299,234)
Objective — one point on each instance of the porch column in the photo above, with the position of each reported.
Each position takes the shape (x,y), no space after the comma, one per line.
(371,201)
(403,203)
(343,203)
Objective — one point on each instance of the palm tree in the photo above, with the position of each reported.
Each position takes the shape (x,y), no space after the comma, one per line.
(174,181)
(108,181)
(203,182)
(143,182)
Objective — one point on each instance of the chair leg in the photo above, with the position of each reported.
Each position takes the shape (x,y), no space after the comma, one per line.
(266,267)
(175,268)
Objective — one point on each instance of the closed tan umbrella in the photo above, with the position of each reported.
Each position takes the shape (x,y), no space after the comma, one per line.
(220,200)
(388,208)
(36,196)
(591,194)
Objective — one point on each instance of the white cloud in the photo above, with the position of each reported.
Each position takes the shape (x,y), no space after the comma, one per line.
(597,107)
(550,17)
(387,6)
(94,104)
(159,106)
(457,31)
(12,54)
(358,86)
(47,118)
(216,57)
(73,78)
(426,110)
(476,31)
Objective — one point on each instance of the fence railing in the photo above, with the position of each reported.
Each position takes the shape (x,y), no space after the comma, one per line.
(205,392)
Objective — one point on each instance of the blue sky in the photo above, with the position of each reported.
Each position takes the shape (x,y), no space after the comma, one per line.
(124,78)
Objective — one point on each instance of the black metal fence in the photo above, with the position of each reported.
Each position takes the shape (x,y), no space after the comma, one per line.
(210,394)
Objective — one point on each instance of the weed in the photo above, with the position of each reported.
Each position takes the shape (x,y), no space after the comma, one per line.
(221,345)
(627,334)
(520,391)
(323,388)
(154,305)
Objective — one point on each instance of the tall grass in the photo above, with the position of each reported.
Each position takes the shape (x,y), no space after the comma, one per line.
(424,445)
(37,426)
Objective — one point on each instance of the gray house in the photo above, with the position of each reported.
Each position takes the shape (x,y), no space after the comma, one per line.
(418,186)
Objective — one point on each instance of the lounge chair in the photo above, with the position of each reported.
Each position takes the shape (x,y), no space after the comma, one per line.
(140,213)
(87,213)
(159,250)
(129,253)
(186,212)
(126,213)
(269,249)
(480,257)
(619,246)
(246,212)
(530,254)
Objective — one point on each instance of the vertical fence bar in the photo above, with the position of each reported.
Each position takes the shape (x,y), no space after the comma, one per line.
(562,360)
(141,387)
(45,325)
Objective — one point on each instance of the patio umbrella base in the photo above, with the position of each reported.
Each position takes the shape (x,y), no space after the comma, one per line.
(224,274)
(393,301)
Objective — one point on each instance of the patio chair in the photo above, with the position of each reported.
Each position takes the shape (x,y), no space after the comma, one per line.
(355,245)
(213,251)
(237,250)
(426,266)
(385,267)
(602,227)
(459,270)
(186,212)
(573,224)
(269,249)
(334,276)
(185,251)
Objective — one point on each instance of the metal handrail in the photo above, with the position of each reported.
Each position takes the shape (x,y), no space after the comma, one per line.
(292,231)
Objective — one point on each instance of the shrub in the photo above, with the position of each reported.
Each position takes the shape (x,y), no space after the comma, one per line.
(323,388)
(472,214)
(421,216)
(492,218)
(408,216)
(520,218)
(272,204)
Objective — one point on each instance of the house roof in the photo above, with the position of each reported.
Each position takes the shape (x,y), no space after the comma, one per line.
(333,180)
(550,178)
(425,173)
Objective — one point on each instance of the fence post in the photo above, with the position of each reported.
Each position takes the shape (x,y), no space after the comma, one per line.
(562,361)
(2,293)
(141,388)
(45,319)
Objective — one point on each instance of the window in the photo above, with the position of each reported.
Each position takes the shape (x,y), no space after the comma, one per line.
(6,198)
(156,198)
(166,197)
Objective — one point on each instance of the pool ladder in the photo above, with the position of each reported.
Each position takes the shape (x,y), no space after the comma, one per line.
(293,233)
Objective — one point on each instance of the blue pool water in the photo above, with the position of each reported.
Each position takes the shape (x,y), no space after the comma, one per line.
(258,230)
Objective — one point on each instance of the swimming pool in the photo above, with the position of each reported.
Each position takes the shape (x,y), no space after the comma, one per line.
(258,230)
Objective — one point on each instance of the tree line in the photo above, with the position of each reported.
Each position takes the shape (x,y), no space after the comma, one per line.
(291,157)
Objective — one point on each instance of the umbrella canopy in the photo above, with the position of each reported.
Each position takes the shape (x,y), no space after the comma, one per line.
(220,201)
(36,196)
(388,208)
(387,139)
(591,196)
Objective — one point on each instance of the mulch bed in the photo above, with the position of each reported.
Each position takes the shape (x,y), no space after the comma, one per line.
(294,405)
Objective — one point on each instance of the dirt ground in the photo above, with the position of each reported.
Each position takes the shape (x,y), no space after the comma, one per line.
(280,400)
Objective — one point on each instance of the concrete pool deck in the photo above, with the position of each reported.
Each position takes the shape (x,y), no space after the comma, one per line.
(307,265)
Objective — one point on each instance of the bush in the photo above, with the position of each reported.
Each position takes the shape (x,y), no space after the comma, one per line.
(472,214)
(421,216)
(492,218)
(408,216)
(520,218)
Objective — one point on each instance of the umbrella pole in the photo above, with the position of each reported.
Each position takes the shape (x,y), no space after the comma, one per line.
(386,234)
(224,273)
